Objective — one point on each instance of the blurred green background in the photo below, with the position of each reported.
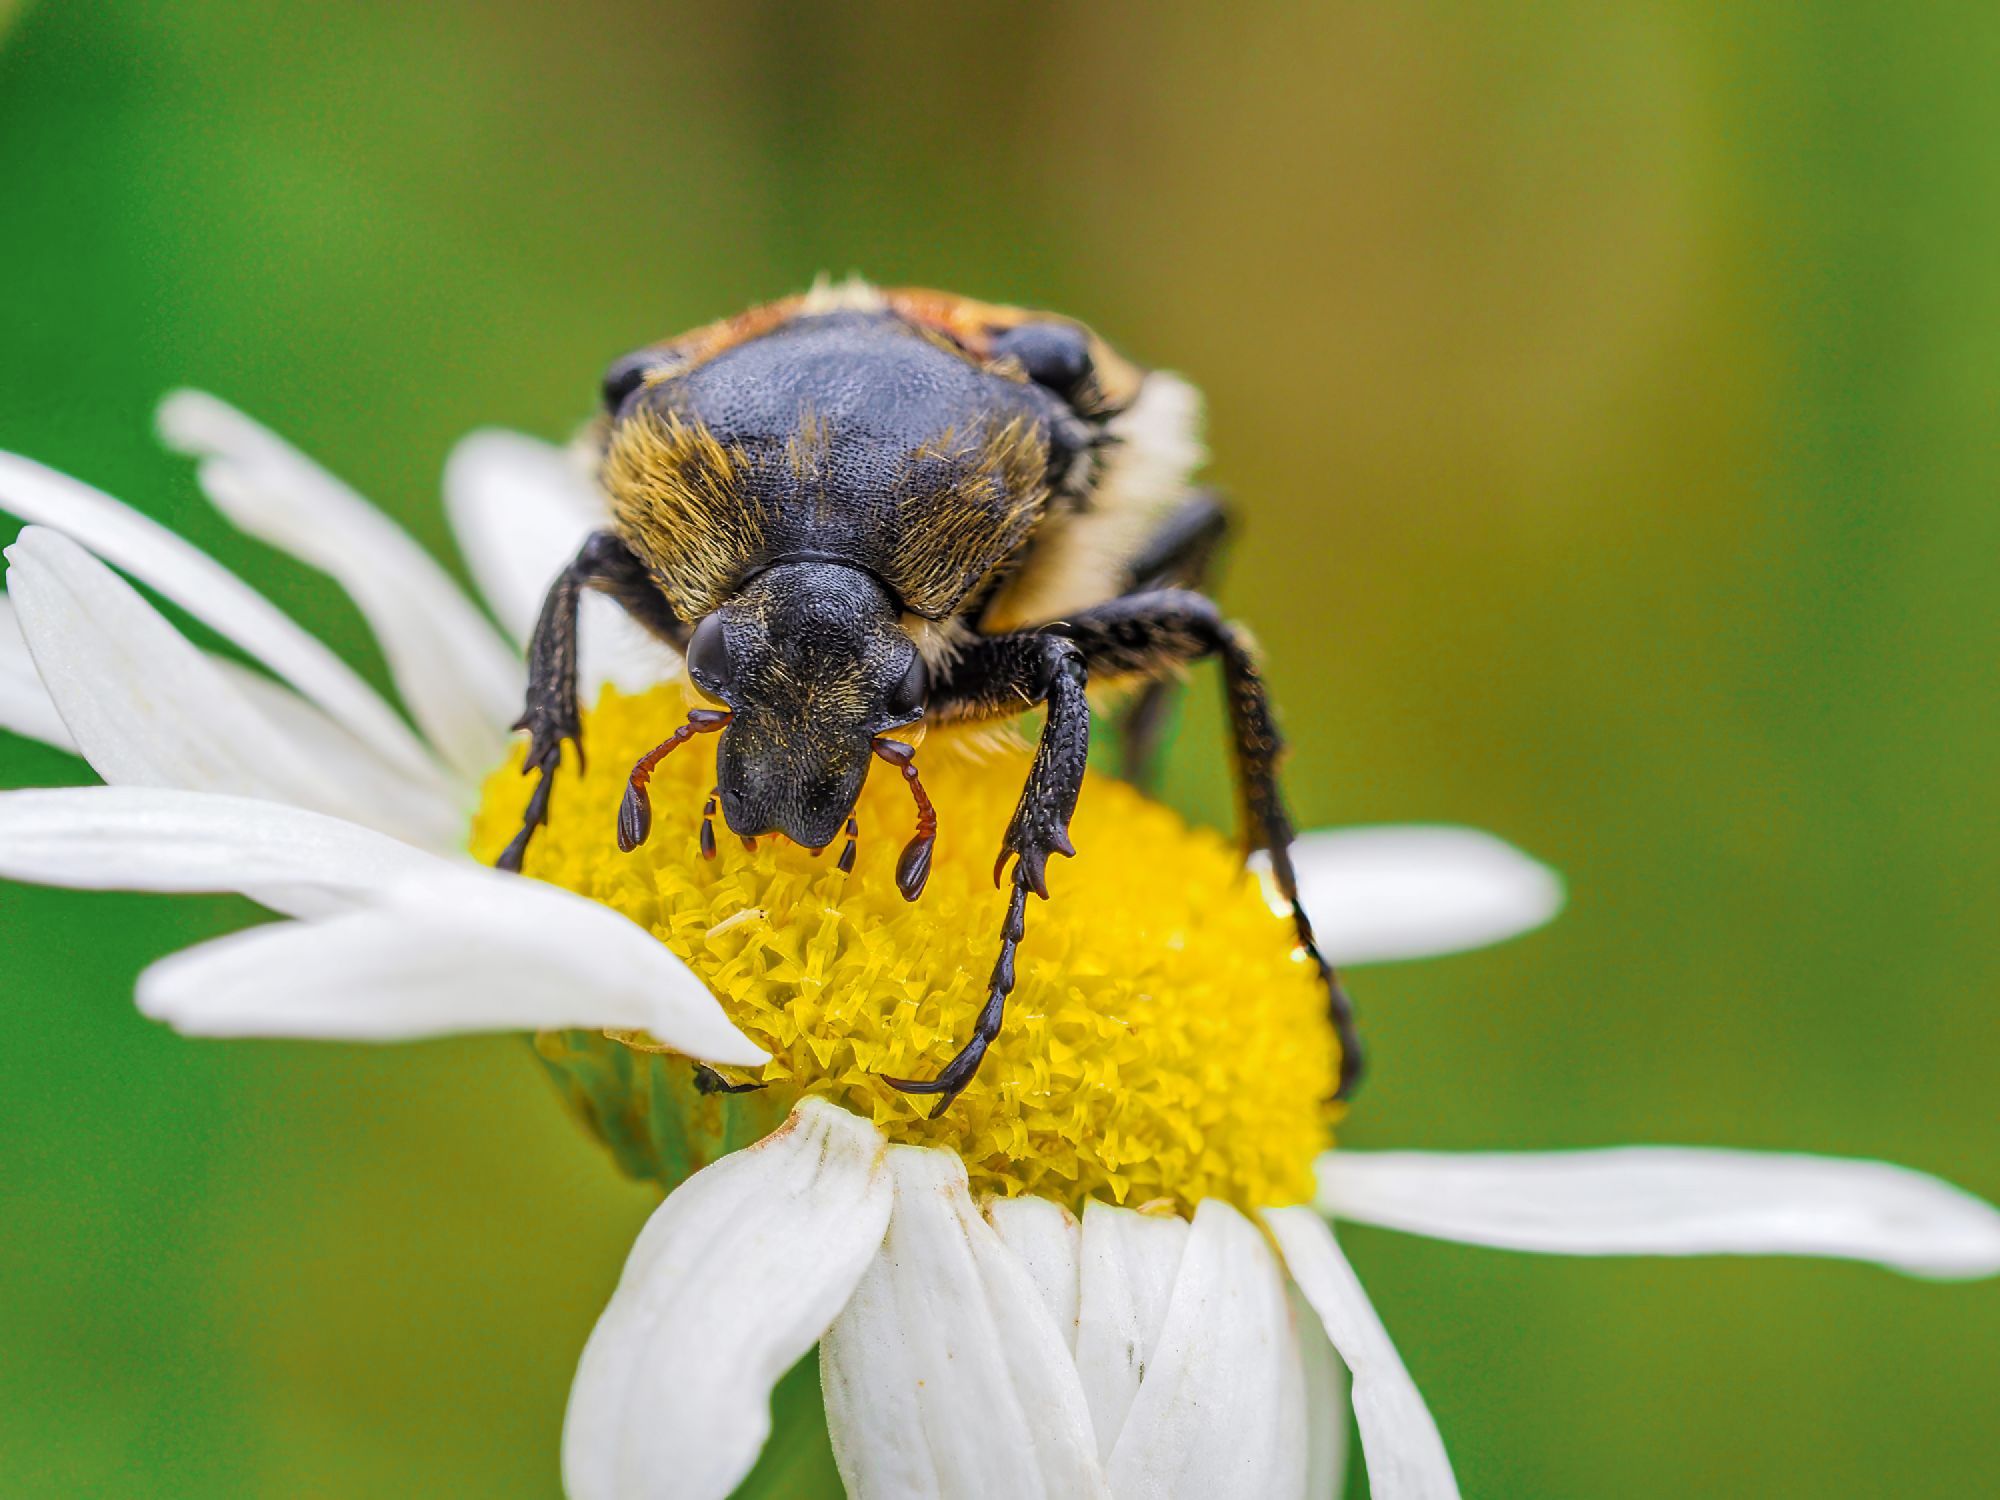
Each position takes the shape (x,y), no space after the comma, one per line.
(1611,395)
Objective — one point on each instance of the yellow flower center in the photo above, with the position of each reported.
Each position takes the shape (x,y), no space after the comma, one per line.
(1164,1043)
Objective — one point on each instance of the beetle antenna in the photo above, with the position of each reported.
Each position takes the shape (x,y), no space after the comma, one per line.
(914,867)
(635,814)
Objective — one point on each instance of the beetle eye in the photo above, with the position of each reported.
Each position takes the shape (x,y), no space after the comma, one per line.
(907,697)
(708,656)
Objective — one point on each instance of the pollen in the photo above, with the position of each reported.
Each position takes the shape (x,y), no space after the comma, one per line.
(1165,1041)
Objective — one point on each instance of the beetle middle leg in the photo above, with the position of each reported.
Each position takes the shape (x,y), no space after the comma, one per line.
(997,678)
(551,716)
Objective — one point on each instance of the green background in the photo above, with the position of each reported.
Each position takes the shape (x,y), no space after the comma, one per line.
(1611,395)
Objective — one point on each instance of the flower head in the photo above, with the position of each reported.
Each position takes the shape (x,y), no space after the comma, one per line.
(1164,1043)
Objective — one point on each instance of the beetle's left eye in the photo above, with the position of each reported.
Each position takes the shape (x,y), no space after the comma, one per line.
(708,656)
(907,697)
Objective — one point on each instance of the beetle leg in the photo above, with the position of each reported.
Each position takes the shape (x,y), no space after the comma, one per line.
(551,715)
(1000,675)
(958,1072)
(913,867)
(1181,554)
(1268,825)
(1148,634)
(708,1081)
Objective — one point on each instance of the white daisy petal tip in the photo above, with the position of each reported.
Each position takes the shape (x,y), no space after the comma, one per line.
(1403,891)
(450,666)
(191,421)
(398,942)
(1406,1457)
(1670,1200)
(736,1052)
(736,1275)
(181,573)
(616,973)
(445,955)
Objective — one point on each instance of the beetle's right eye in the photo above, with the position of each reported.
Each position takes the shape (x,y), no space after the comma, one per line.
(906,700)
(708,656)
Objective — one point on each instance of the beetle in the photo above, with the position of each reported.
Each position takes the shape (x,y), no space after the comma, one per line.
(857,508)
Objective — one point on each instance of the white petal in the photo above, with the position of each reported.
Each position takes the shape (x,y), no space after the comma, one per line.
(213,595)
(397,803)
(457,677)
(469,950)
(732,1280)
(612,647)
(455,947)
(1128,1264)
(1221,1409)
(1413,892)
(946,1376)
(141,839)
(384,797)
(149,709)
(1405,1456)
(1667,1200)
(25,705)
(521,509)
(1047,1238)
(1327,1402)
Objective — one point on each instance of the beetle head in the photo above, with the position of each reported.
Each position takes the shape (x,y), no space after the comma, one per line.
(812,664)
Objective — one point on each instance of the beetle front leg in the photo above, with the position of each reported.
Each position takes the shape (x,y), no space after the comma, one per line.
(998,676)
(1144,635)
(957,1073)
(551,715)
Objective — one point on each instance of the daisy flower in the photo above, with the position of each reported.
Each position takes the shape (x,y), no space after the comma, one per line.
(1107,1270)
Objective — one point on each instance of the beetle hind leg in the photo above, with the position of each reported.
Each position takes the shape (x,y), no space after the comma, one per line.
(1182,555)
(1268,826)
